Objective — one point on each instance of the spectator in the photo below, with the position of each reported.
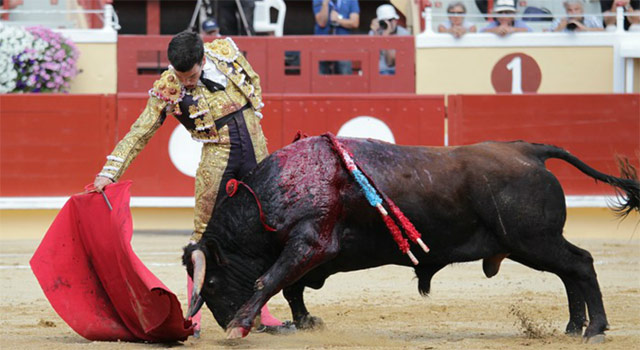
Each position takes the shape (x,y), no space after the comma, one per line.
(336,17)
(210,27)
(457,24)
(386,24)
(631,7)
(576,20)
(507,23)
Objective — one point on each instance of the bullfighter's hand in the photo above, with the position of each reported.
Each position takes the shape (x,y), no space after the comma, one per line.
(100,182)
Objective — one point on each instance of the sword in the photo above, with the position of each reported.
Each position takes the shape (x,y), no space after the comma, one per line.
(106,200)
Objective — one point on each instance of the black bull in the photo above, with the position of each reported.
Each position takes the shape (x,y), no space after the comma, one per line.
(484,201)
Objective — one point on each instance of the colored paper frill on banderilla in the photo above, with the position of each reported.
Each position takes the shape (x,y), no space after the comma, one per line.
(95,282)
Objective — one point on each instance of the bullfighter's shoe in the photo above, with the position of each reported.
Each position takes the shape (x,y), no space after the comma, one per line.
(267,319)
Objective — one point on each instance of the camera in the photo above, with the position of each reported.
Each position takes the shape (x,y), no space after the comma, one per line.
(383,24)
(572,26)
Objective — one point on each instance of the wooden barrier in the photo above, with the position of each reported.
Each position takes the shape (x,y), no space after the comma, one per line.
(45,153)
(413,119)
(285,64)
(595,128)
(53,144)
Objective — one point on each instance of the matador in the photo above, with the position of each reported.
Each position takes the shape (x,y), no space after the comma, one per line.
(215,94)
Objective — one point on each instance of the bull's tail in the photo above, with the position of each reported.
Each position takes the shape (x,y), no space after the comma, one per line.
(627,186)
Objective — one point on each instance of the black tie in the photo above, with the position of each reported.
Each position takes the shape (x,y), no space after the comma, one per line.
(210,84)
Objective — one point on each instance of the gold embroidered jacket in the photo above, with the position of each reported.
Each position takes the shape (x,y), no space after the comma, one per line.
(196,109)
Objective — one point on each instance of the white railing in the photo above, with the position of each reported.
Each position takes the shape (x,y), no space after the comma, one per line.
(108,32)
(107,15)
(429,17)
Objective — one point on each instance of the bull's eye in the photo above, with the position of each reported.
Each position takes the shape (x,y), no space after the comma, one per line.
(211,282)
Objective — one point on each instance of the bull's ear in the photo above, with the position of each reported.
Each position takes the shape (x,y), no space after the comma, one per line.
(186,256)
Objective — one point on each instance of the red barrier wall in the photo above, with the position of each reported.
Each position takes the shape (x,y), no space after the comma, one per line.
(46,153)
(141,58)
(595,128)
(413,119)
(53,144)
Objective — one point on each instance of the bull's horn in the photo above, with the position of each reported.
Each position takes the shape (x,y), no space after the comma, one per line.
(199,268)
(194,306)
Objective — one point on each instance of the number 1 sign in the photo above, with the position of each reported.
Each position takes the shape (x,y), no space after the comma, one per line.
(516,73)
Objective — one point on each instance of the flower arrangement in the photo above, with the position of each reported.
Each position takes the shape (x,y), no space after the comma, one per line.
(35,59)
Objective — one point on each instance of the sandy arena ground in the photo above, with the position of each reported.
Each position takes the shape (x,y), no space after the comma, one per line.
(373,309)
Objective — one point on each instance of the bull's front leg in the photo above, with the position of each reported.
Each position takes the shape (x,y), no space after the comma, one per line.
(307,247)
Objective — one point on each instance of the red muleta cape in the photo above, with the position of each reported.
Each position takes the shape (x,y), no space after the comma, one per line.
(95,282)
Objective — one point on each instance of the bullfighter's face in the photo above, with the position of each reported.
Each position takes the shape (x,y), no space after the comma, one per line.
(189,79)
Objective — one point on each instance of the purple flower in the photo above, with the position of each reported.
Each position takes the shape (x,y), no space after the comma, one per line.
(47,64)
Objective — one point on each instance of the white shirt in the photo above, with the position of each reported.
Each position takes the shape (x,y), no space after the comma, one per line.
(211,72)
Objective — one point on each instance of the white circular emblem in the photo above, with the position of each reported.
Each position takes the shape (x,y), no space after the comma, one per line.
(184,151)
(367,127)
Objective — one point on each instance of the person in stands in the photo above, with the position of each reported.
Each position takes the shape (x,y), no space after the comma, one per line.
(336,17)
(386,24)
(631,11)
(210,27)
(507,23)
(457,25)
(576,20)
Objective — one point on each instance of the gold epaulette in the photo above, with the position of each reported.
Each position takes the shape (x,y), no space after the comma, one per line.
(223,49)
(168,88)
(229,60)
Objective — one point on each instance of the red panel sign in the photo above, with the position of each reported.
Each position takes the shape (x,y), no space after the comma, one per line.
(516,73)
(595,128)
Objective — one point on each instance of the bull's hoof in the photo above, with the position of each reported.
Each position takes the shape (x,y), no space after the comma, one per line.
(596,339)
(236,332)
(309,323)
(574,333)
(574,329)
(594,334)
